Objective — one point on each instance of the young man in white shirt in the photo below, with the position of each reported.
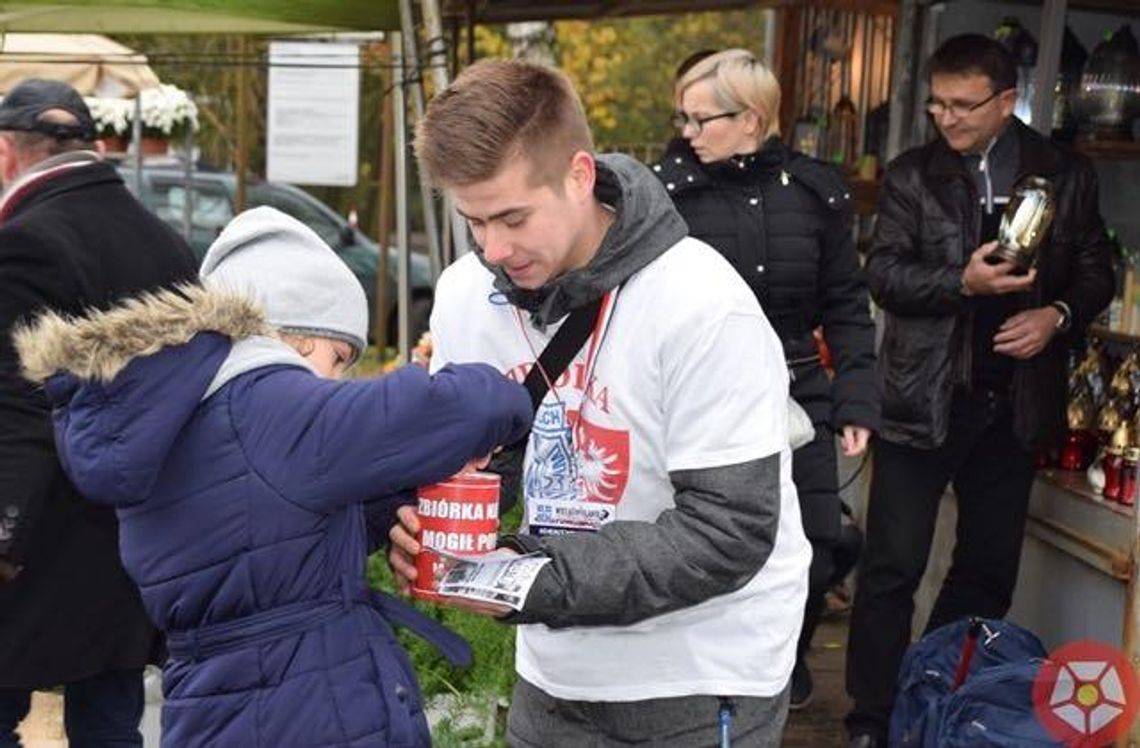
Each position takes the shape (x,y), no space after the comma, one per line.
(657,476)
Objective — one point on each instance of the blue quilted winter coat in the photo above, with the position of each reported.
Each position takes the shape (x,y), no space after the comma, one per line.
(244,513)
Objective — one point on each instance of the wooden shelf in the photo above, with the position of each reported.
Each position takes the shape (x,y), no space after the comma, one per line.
(1123,7)
(1076,482)
(1113,336)
(1117,149)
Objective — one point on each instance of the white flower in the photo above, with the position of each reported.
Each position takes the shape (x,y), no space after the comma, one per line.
(168,107)
(164,109)
(112,116)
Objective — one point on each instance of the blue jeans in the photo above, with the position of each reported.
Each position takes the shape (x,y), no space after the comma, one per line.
(102,711)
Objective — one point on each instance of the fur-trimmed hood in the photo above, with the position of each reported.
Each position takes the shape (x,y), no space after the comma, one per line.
(123,383)
(100,345)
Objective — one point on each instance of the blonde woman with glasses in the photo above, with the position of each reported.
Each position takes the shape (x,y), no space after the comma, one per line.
(784,222)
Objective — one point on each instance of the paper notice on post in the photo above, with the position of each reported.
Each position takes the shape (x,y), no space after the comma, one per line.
(498,577)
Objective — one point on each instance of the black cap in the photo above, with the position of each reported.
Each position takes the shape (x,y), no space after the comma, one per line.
(22,107)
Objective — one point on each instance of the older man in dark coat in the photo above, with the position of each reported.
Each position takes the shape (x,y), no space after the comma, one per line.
(71,238)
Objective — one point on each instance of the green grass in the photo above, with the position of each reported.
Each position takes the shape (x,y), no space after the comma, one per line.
(493,670)
(448,736)
(492,643)
(492,674)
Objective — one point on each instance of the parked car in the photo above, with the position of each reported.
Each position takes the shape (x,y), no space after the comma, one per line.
(164,192)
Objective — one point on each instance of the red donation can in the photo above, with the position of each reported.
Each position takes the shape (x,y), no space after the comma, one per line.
(459,515)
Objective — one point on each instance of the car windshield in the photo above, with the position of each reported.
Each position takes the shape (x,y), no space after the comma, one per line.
(211,209)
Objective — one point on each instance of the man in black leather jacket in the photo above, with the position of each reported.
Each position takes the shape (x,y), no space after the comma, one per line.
(972,362)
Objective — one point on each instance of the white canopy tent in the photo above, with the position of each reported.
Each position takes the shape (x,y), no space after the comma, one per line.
(92,64)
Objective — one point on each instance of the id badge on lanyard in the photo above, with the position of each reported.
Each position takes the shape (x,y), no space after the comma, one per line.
(552,482)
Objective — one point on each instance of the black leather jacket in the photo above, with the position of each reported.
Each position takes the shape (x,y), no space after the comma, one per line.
(929,223)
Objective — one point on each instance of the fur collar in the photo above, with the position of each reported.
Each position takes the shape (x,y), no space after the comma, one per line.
(100,345)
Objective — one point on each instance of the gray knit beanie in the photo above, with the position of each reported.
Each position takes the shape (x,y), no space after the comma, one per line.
(302,284)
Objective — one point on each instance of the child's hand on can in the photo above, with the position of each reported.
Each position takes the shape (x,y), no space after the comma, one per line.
(402,553)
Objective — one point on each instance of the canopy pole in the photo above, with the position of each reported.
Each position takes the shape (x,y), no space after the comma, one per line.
(187,182)
(402,285)
(431,225)
(437,59)
(384,217)
(136,137)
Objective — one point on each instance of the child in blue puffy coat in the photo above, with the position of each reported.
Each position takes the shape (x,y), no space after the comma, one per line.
(250,484)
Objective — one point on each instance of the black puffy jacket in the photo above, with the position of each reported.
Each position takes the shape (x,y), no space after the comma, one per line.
(929,223)
(784,222)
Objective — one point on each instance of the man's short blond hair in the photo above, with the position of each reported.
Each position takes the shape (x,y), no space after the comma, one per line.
(497,110)
(740,81)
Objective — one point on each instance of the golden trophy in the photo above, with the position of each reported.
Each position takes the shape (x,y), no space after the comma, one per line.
(1120,386)
(1024,223)
(1109,420)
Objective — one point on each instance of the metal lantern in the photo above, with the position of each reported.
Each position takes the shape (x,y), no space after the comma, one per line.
(1025,221)
(1110,86)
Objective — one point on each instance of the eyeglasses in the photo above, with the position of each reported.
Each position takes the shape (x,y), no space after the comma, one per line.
(682,120)
(938,108)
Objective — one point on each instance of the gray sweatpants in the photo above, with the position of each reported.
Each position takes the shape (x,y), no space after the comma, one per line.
(538,720)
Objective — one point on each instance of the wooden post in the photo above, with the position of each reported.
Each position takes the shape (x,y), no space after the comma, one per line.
(785,58)
(241,158)
(470,32)
(1130,640)
(903,76)
(453,61)
(1051,38)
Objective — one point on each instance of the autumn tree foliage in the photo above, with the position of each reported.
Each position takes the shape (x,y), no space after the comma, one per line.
(624,67)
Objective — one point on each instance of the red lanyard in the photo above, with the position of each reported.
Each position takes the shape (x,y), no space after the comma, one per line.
(596,337)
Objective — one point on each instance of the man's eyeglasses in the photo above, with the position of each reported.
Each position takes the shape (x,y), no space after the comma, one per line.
(958,109)
(682,120)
